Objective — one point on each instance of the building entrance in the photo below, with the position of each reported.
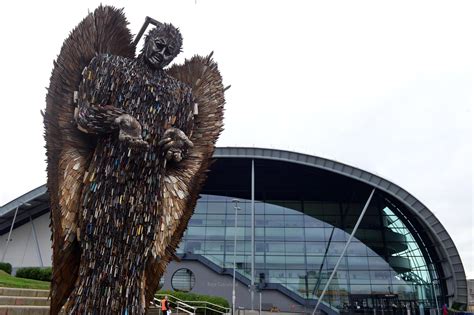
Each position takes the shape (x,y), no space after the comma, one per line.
(379,304)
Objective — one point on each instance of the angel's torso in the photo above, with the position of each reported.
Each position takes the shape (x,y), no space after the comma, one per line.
(155,99)
(121,201)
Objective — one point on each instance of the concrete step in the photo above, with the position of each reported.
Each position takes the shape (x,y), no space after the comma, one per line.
(153,311)
(23,310)
(24,300)
(23,292)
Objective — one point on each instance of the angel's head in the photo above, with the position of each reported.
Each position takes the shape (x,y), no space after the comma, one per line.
(162,45)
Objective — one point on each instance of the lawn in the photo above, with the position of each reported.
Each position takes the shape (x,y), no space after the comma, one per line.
(13,282)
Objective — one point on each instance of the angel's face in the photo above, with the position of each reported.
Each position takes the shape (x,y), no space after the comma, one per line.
(162,45)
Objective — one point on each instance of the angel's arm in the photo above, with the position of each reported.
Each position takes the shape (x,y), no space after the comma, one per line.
(94,114)
(176,141)
(97,119)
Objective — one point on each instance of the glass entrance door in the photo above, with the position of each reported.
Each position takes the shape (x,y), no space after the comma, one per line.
(375,304)
(387,304)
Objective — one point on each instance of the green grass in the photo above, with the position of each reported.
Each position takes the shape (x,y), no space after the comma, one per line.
(13,282)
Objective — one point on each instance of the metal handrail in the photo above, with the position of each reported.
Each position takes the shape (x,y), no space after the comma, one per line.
(184,310)
(156,302)
(206,302)
(205,308)
(178,302)
(184,304)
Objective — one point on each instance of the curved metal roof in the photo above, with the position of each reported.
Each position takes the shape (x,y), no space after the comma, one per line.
(455,276)
(450,260)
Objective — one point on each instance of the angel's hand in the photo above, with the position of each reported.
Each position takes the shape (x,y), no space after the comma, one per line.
(175,144)
(130,131)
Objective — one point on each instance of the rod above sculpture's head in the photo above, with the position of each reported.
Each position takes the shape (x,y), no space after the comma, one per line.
(162,44)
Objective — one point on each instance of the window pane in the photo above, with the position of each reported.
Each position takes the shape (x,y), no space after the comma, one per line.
(213,247)
(357,263)
(294,234)
(216,207)
(273,209)
(275,247)
(293,248)
(274,220)
(314,262)
(183,280)
(195,247)
(215,232)
(356,248)
(216,220)
(378,263)
(274,234)
(197,220)
(196,232)
(359,277)
(335,248)
(314,234)
(296,262)
(294,221)
(315,248)
(380,277)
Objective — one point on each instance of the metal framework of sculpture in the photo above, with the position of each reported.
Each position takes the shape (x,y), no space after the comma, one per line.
(128,147)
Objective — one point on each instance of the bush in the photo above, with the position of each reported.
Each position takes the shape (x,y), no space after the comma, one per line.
(6,267)
(43,274)
(186,296)
(458,307)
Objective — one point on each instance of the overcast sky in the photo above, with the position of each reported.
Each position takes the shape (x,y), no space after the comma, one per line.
(384,86)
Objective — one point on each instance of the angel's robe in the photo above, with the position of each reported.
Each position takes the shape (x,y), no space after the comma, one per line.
(121,202)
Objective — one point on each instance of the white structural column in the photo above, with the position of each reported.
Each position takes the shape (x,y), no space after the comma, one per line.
(10,234)
(236,208)
(252,210)
(35,236)
(344,250)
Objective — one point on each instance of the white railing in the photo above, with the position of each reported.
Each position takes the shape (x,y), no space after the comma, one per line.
(191,310)
(214,307)
(156,302)
(180,306)
(190,307)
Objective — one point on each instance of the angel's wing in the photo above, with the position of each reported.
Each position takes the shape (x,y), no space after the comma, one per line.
(183,183)
(68,150)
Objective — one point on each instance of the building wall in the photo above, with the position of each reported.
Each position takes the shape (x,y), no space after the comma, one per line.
(22,250)
(210,283)
(470,293)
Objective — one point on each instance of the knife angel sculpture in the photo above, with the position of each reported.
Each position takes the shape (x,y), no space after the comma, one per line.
(128,147)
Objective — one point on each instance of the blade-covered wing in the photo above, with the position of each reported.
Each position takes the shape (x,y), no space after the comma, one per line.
(68,150)
(183,182)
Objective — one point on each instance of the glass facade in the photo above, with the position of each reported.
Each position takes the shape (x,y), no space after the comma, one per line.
(299,237)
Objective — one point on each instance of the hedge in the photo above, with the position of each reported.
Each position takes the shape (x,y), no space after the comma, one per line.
(43,274)
(186,296)
(6,267)
(458,307)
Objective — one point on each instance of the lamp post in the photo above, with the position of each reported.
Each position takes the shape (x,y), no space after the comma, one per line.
(236,208)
